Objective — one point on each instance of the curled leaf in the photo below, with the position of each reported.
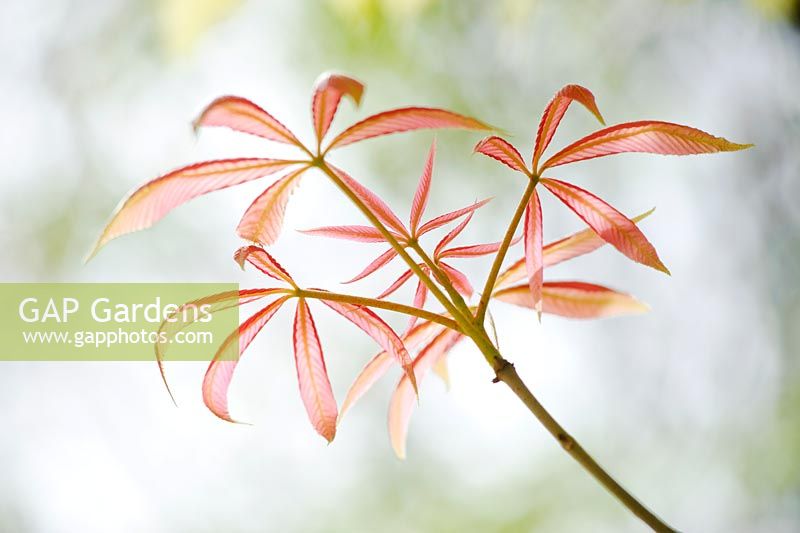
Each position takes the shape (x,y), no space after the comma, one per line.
(328,92)
(263,261)
(503,151)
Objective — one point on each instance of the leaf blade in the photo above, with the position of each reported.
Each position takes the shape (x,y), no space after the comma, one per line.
(501,150)
(423,191)
(263,220)
(534,264)
(240,114)
(575,299)
(328,92)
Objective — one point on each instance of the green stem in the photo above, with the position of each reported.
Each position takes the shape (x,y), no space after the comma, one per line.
(506,373)
(488,287)
(380,304)
(440,276)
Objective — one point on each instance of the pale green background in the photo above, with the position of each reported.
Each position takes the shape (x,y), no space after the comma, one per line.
(694,406)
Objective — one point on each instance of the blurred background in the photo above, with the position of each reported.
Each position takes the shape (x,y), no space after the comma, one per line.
(695,407)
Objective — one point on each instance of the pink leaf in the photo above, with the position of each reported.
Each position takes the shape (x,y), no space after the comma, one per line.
(534,264)
(645,136)
(240,114)
(149,203)
(420,295)
(575,299)
(500,149)
(455,232)
(382,259)
(350,233)
(403,400)
(259,258)
(554,112)
(614,227)
(312,376)
(263,220)
(185,316)
(328,92)
(476,250)
(399,282)
(376,328)
(441,220)
(376,206)
(577,244)
(422,193)
(458,279)
(405,119)
(220,371)
(382,362)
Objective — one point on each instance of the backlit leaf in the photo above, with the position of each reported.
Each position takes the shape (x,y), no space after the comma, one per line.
(263,220)
(614,227)
(148,204)
(312,376)
(405,119)
(501,150)
(328,92)
(240,114)
(648,136)
(534,263)
(263,261)
(423,191)
(574,299)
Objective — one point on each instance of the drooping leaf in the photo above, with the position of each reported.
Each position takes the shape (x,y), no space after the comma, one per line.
(382,362)
(422,193)
(263,220)
(574,299)
(648,136)
(312,376)
(403,400)
(376,328)
(263,261)
(240,114)
(555,111)
(381,260)
(186,315)
(441,220)
(614,227)
(220,371)
(534,263)
(458,279)
(405,119)
(501,150)
(376,206)
(328,92)
(350,233)
(577,244)
(149,203)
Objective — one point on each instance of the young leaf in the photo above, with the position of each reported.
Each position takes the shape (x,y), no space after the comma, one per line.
(554,112)
(382,362)
(455,232)
(534,263)
(328,92)
(574,299)
(441,220)
(501,150)
(614,227)
(405,119)
(259,258)
(403,400)
(475,250)
(577,244)
(149,203)
(458,279)
(312,376)
(240,114)
(376,328)
(263,220)
(399,282)
(349,233)
(185,316)
(420,295)
(381,260)
(377,206)
(220,371)
(648,136)
(422,193)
